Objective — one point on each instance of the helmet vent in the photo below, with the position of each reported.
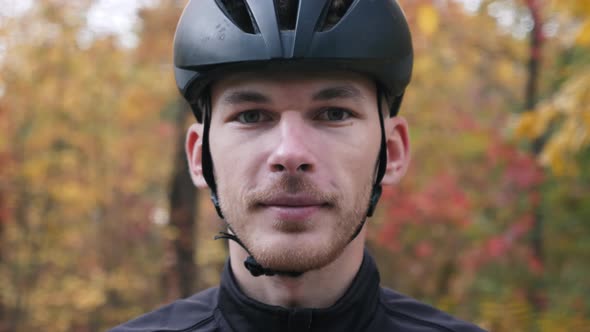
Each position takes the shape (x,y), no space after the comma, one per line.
(239,13)
(336,11)
(287,13)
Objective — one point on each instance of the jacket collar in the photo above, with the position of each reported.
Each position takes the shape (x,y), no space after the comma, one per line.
(352,312)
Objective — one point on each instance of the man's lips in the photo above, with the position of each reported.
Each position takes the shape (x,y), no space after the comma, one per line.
(293,208)
(293,201)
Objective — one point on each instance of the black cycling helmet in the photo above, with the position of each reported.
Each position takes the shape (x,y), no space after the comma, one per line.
(215,37)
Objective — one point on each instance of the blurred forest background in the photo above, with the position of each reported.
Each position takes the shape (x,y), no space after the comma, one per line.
(99,221)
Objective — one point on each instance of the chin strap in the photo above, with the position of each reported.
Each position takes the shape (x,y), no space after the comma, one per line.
(381,167)
(207,161)
(252,265)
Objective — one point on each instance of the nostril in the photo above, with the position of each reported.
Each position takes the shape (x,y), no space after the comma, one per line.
(300,168)
(304,167)
(278,167)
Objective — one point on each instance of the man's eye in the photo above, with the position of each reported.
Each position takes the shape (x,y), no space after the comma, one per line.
(253,116)
(334,114)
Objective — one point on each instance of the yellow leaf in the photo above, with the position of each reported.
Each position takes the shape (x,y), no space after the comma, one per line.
(526,126)
(506,71)
(424,65)
(428,20)
(555,155)
(583,38)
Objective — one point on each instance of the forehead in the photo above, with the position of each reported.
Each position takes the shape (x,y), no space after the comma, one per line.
(304,83)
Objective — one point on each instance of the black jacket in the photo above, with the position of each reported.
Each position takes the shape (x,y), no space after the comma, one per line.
(364,307)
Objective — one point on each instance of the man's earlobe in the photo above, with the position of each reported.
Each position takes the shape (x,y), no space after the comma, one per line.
(194,153)
(398,150)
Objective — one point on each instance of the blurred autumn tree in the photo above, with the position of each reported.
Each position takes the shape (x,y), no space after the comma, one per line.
(87,151)
(563,116)
(461,225)
(89,146)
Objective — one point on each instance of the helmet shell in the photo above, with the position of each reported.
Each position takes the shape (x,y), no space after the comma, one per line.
(371,38)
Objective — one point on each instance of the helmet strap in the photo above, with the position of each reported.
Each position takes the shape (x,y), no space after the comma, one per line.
(381,167)
(255,268)
(207,161)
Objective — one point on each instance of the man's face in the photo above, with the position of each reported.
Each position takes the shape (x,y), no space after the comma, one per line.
(294,159)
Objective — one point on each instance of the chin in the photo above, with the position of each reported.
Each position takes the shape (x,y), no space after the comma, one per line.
(297,253)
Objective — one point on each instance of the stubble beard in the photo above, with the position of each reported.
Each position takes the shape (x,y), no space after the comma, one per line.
(294,256)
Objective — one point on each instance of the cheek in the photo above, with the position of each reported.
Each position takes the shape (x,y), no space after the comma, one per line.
(360,167)
(236,163)
(351,174)
(356,154)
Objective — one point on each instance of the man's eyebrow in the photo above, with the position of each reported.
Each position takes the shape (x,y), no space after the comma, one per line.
(245,96)
(336,92)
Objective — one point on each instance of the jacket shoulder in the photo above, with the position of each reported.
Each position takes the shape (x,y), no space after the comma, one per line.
(417,316)
(195,313)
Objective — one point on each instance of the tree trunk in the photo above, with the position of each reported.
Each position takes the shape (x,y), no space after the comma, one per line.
(181,275)
(3,222)
(536,44)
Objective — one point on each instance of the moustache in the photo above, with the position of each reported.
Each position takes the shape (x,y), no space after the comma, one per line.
(289,185)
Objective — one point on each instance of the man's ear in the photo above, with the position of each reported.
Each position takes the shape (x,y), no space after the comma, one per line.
(398,149)
(194,153)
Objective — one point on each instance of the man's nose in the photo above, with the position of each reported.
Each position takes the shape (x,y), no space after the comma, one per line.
(292,151)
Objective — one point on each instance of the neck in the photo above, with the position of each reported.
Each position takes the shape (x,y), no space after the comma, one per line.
(314,289)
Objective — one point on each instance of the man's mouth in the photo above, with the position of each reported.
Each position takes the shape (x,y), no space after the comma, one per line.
(293,207)
(293,201)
